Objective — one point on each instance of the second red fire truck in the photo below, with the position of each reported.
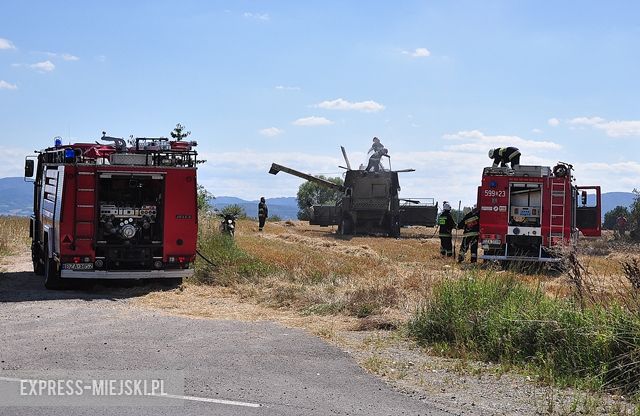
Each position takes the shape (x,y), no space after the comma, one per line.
(113,211)
(529,211)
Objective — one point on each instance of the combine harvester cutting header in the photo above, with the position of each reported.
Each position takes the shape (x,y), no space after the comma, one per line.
(527,210)
(109,211)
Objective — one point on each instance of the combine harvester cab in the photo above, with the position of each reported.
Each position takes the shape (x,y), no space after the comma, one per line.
(108,211)
(528,213)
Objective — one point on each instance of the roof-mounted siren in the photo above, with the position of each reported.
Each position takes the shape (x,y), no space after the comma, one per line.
(120,144)
(346,159)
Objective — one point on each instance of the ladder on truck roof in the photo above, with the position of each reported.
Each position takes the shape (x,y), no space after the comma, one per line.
(558,206)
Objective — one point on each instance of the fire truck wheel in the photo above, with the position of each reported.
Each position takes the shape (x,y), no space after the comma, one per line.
(171,282)
(38,266)
(52,278)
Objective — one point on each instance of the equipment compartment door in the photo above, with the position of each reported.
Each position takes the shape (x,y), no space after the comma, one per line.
(589,210)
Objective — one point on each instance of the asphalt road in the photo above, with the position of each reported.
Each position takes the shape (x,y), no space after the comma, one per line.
(228,367)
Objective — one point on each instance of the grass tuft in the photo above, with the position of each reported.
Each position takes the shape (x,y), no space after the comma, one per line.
(497,318)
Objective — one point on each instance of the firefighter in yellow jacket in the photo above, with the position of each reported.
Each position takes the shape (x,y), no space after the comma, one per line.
(470,223)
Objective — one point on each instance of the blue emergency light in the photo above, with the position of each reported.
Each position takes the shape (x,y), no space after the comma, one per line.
(58,142)
(69,153)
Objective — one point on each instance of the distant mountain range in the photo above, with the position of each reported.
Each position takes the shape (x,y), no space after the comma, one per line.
(284,207)
(610,200)
(16,199)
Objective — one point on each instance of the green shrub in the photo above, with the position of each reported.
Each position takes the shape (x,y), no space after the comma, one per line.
(502,320)
(229,263)
(234,209)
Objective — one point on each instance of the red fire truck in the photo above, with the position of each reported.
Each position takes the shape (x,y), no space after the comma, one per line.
(526,211)
(112,211)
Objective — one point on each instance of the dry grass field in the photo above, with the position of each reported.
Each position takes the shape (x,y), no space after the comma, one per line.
(14,234)
(311,270)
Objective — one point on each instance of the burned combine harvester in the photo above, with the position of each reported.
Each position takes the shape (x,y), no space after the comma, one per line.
(109,211)
(369,204)
(526,213)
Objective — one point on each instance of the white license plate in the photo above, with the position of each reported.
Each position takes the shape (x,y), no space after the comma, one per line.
(492,242)
(77,266)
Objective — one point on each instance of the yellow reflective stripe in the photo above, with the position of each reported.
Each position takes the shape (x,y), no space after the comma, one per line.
(514,154)
(474,218)
(470,233)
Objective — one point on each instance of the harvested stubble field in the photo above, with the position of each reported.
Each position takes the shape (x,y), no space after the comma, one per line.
(309,269)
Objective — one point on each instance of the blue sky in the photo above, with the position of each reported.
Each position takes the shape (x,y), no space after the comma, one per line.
(280,81)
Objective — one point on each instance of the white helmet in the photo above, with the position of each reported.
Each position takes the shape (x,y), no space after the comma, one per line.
(491,153)
(446,206)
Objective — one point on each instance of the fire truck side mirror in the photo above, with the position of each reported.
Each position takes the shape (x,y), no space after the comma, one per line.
(583,197)
(29,169)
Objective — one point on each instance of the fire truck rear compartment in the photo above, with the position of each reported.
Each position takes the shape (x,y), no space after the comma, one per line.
(524,237)
(129,234)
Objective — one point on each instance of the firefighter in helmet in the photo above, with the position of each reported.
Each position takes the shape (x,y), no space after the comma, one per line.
(470,224)
(375,146)
(374,160)
(446,223)
(376,152)
(263,213)
(504,155)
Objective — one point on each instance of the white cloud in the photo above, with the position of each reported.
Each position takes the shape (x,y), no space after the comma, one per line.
(6,44)
(287,88)
(12,161)
(69,57)
(257,16)
(4,85)
(271,131)
(536,131)
(615,128)
(612,177)
(312,121)
(553,122)
(100,58)
(368,106)
(586,121)
(45,66)
(477,141)
(418,53)
(63,56)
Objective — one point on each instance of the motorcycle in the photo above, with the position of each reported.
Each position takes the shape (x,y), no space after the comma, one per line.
(228,224)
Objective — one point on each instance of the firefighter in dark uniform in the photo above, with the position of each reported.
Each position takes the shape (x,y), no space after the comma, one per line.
(446,223)
(263,213)
(504,155)
(470,223)
(374,160)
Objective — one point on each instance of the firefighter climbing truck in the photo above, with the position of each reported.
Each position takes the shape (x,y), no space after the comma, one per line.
(109,211)
(527,213)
